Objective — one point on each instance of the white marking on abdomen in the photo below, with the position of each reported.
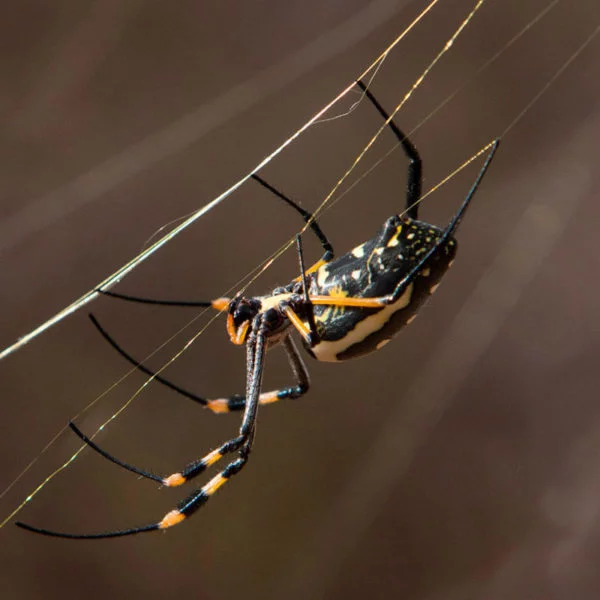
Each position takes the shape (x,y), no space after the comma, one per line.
(359,251)
(322,274)
(328,351)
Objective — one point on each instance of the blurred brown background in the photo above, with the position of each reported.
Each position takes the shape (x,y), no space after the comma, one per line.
(459,462)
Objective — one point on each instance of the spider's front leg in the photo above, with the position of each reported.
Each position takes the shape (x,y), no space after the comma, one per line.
(256,346)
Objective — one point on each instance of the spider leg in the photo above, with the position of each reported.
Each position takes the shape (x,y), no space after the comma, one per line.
(138,365)
(450,229)
(190,471)
(413,194)
(307,216)
(313,337)
(406,281)
(217,304)
(221,303)
(242,443)
(238,402)
(235,402)
(197,467)
(415,164)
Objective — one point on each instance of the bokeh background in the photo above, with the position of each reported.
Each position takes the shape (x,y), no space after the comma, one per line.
(461,461)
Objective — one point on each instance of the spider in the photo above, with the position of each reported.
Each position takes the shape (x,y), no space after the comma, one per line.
(342,308)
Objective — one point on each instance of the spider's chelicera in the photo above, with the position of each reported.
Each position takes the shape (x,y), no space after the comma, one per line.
(341,307)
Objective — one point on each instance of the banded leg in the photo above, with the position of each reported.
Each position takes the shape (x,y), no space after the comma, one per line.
(235,402)
(242,443)
(238,402)
(197,467)
(415,164)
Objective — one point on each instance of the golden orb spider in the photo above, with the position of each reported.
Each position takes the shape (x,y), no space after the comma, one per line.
(341,307)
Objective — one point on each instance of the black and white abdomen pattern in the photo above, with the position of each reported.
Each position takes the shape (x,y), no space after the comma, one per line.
(374,270)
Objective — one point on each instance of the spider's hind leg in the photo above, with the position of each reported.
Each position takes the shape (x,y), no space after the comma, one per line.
(415,164)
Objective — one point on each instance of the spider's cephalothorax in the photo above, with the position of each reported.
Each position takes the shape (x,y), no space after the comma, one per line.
(341,307)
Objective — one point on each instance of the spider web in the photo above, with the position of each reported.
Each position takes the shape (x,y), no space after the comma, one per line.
(546,242)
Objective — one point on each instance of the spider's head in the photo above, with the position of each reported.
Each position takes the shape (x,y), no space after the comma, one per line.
(241,314)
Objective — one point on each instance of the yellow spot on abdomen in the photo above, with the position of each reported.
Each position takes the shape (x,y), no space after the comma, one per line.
(359,251)
(394,239)
(337,292)
(325,315)
(322,274)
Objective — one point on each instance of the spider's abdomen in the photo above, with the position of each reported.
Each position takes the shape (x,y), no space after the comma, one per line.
(373,270)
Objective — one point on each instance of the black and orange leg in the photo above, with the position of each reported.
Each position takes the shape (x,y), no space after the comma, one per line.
(415,164)
(178,478)
(293,392)
(256,347)
(198,467)
(235,402)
